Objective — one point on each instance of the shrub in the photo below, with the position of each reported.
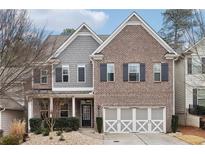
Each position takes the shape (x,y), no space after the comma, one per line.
(1,133)
(58,133)
(45,132)
(174,124)
(11,140)
(67,129)
(17,128)
(74,123)
(35,124)
(38,131)
(99,122)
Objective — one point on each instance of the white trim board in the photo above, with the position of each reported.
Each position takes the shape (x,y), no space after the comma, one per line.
(140,22)
(74,89)
(73,36)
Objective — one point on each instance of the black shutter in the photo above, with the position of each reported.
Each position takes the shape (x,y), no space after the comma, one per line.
(81,74)
(203,65)
(103,72)
(125,72)
(36,75)
(189,65)
(58,74)
(194,97)
(165,71)
(142,72)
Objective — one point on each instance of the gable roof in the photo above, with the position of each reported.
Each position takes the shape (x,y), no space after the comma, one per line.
(134,19)
(193,46)
(81,30)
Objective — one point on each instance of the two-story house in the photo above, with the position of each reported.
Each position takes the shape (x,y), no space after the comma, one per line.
(127,78)
(190,85)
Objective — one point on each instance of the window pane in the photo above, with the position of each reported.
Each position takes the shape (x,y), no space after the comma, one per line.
(44,114)
(65,78)
(156,76)
(133,68)
(201,102)
(110,77)
(44,79)
(81,74)
(64,106)
(65,71)
(64,113)
(44,72)
(201,93)
(157,68)
(43,105)
(196,65)
(110,68)
(132,76)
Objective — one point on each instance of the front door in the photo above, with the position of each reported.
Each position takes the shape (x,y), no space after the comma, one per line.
(86,115)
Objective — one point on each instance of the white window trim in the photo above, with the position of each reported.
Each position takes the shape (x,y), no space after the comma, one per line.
(68,68)
(113,72)
(158,72)
(198,93)
(133,72)
(43,76)
(84,66)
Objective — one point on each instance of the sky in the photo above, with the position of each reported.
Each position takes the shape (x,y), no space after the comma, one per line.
(101,21)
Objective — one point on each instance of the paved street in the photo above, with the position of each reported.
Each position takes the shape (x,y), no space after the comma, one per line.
(141,139)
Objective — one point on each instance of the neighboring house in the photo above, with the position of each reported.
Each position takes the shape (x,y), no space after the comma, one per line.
(190,84)
(127,78)
(9,111)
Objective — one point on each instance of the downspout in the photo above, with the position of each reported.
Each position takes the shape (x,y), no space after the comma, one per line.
(1,110)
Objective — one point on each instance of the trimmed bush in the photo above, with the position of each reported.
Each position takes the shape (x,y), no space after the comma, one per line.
(60,124)
(45,132)
(99,122)
(58,133)
(38,131)
(11,140)
(35,124)
(67,129)
(174,124)
(1,133)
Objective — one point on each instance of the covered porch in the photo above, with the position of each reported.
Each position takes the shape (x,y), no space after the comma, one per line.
(62,106)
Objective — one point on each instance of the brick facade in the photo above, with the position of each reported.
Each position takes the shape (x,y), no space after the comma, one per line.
(134,44)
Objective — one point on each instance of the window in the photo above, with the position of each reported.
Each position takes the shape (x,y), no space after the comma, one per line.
(196,65)
(81,73)
(64,110)
(44,76)
(65,73)
(157,72)
(201,97)
(44,105)
(134,72)
(110,72)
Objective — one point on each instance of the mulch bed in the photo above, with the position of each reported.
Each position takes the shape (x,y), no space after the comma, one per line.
(188,130)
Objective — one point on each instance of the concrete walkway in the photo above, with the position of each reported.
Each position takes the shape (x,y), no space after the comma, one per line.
(141,139)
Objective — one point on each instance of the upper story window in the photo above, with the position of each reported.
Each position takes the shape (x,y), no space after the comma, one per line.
(196,65)
(107,72)
(44,76)
(110,72)
(157,71)
(134,72)
(81,73)
(160,72)
(62,74)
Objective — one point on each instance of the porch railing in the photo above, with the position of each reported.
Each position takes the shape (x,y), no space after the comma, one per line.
(196,110)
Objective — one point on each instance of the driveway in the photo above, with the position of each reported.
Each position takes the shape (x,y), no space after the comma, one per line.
(141,139)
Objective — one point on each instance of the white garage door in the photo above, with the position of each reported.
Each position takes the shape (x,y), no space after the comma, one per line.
(141,120)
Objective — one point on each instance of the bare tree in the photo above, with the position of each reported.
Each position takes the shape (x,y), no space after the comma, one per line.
(20,47)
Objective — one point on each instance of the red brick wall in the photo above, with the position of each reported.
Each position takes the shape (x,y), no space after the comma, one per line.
(134,44)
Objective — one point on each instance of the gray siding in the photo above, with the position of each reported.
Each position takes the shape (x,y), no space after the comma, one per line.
(7,117)
(77,52)
(180,90)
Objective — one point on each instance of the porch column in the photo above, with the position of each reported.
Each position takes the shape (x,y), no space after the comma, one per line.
(30,111)
(73,106)
(51,106)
